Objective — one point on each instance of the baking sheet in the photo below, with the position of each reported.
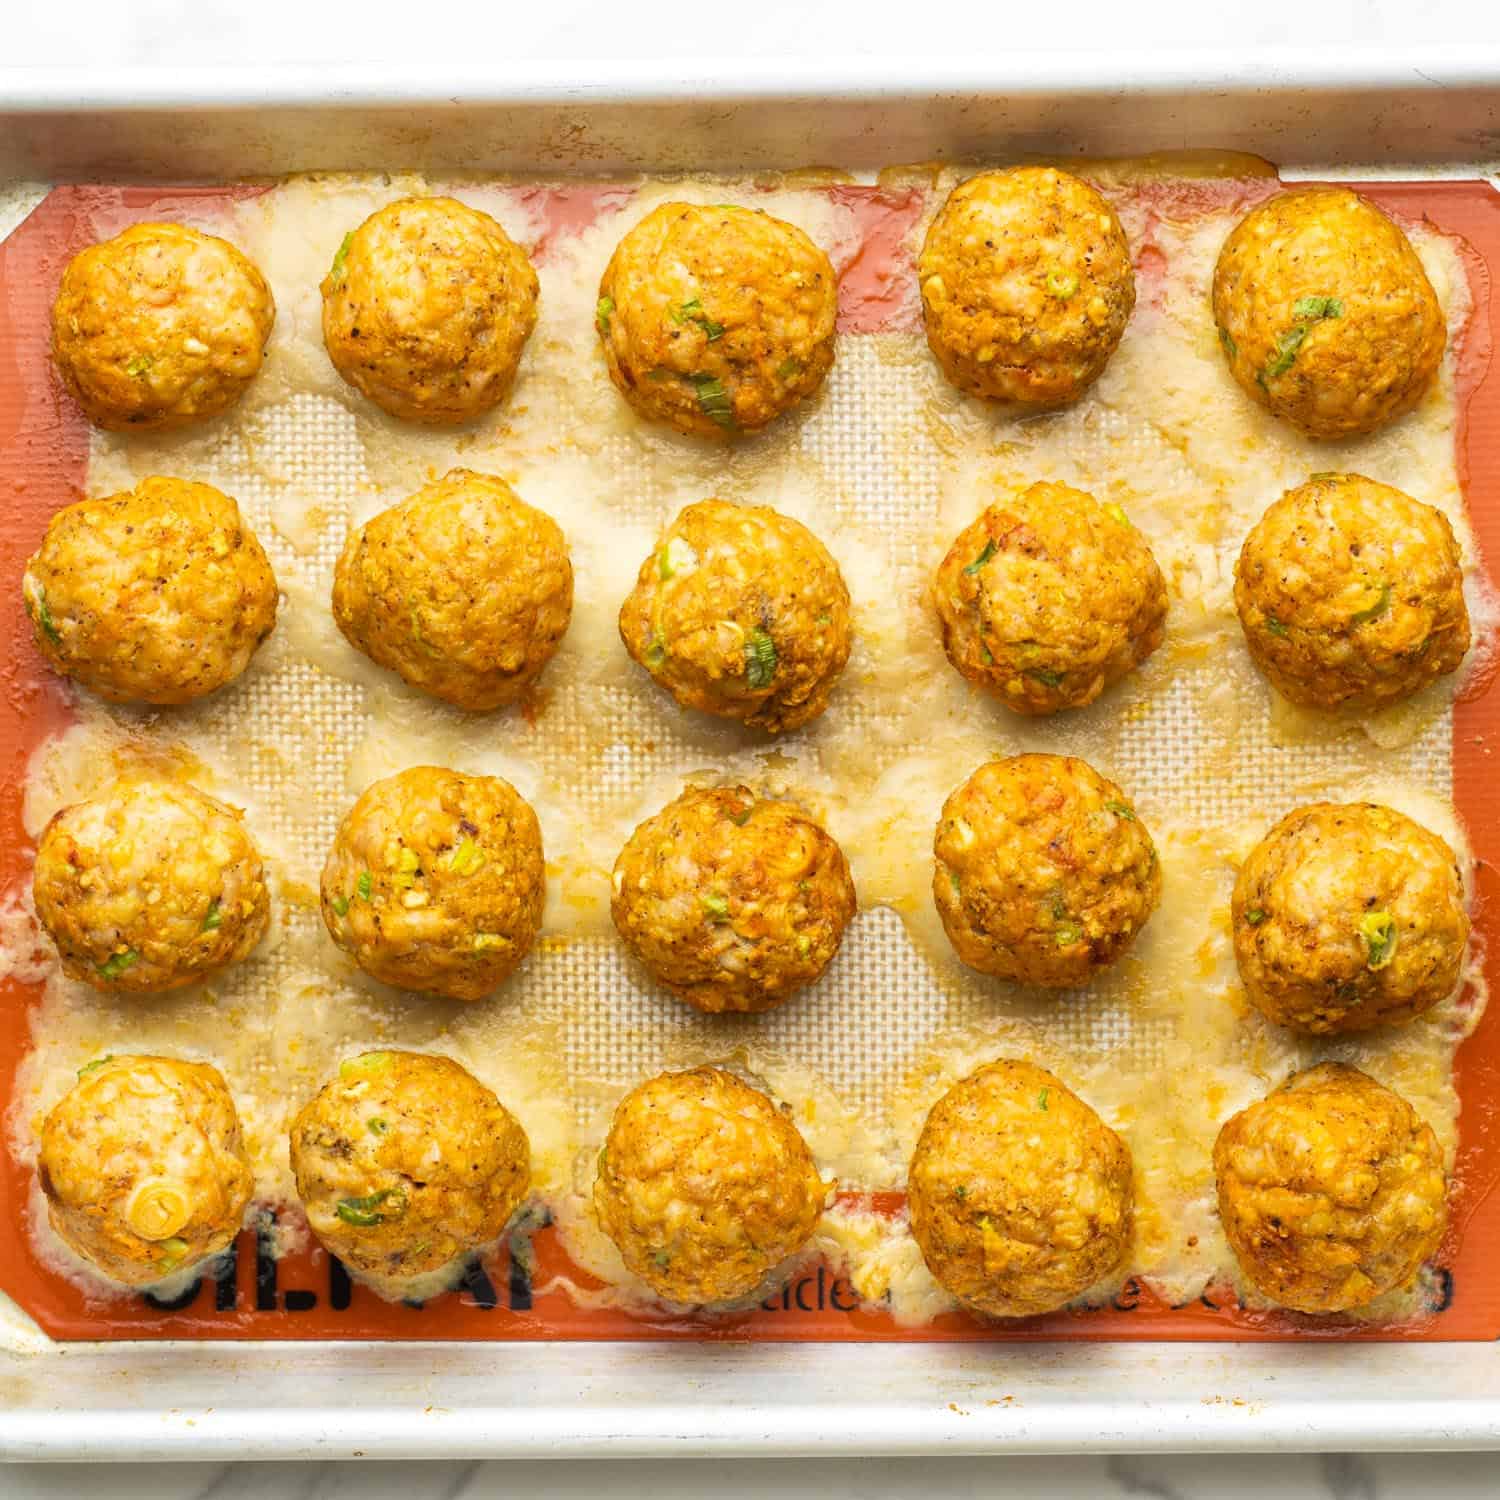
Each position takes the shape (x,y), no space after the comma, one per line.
(814,1305)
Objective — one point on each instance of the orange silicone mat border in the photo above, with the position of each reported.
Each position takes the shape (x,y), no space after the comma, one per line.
(305,1295)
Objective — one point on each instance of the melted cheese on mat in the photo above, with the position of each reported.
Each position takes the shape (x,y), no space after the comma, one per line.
(886,466)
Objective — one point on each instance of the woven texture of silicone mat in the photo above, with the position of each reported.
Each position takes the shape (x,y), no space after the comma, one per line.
(43,454)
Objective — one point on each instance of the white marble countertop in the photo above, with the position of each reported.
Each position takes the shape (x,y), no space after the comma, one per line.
(140,33)
(465,32)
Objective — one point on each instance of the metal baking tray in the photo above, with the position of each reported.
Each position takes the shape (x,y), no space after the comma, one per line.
(1434,114)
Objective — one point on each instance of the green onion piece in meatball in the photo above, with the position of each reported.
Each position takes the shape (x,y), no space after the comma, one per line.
(716,320)
(705,1187)
(741,612)
(733,903)
(1026,286)
(1348,916)
(160,327)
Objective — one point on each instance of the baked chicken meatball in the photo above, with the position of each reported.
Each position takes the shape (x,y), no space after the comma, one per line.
(149,886)
(1325,313)
(1348,916)
(160,594)
(1351,593)
(1049,598)
(1044,874)
(731,902)
(463,590)
(1331,1190)
(742,613)
(405,1161)
(1020,1195)
(705,1186)
(159,327)
(716,319)
(426,309)
(1026,286)
(435,882)
(143,1166)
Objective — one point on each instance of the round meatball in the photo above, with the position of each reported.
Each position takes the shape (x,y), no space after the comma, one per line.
(716,319)
(406,1161)
(1348,916)
(1020,1195)
(1049,598)
(1351,593)
(705,1186)
(1331,1190)
(149,886)
(426,309)
(463,589)
(435,882)
(1026,286)
(741,612)
(159,327)
(1325,313)
(160,594)
(1044,873)
(730,902)
(143,1166)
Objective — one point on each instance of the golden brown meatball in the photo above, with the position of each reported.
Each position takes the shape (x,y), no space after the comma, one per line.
(160,594)
(1325,313)
(705,1186)
(1020,1195)
(1351,592)
(1348,916)
(406,1161)
(435,882)
(143,1166)
(149,886)
(1331,1190)
(741,612)
(159,327)
(1026,286)
(426,309)
(716,319)
(463,589)
(1044,873)
(1049,598)
(732,903)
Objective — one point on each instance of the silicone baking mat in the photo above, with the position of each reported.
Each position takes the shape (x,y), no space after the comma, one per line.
(516,1294)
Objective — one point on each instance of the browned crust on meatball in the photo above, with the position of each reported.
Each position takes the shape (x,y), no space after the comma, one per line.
(1331,1190)
(741,612)
(704,1186)
(732,903)
(160,594)
(1351,594)
(1325,314)
(1044,874)
(1048,598)
(1026,286)
(149,886)
(462,589)
(427,308)
(1020,1195)
(436,882)
(144,1166)
(716,319)
(160,327)
(405,1161)
(1348,916)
